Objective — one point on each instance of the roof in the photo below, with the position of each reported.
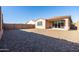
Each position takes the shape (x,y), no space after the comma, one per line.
(40,19)
(60,18)
(31,20)
(54,18)
(36,20)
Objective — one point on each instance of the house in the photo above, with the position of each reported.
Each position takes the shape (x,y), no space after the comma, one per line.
(31,22)
(59,23)
(40,23)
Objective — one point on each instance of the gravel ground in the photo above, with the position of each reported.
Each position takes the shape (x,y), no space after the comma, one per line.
(28,41)
(72,35)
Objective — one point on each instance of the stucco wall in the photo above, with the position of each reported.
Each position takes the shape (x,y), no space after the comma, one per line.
(78,25)
(43,24)
(67,24)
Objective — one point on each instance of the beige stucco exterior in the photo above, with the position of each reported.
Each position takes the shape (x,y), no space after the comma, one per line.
(47,23)
(67,24)
(78,25)
(43,24)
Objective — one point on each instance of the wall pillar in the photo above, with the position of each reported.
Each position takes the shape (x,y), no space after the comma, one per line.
(78,25)
(67,24)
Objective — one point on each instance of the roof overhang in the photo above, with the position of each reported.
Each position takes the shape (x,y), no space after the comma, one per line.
(59,18)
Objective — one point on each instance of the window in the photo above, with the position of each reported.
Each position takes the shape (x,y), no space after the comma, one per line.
(39,23)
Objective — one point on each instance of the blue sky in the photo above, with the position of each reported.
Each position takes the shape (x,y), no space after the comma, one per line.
(22,14)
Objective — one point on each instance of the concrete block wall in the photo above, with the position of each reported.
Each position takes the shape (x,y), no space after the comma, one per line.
(18,26)
(1,24)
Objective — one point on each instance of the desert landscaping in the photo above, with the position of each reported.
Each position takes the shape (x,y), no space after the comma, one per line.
(71,35)
(39,40)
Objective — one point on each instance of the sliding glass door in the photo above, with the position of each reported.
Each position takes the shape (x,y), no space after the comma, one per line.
(59,24)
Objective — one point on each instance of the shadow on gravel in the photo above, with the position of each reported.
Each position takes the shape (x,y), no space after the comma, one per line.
(22,41)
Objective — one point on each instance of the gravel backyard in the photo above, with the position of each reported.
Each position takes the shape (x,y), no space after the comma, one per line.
(39,41)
